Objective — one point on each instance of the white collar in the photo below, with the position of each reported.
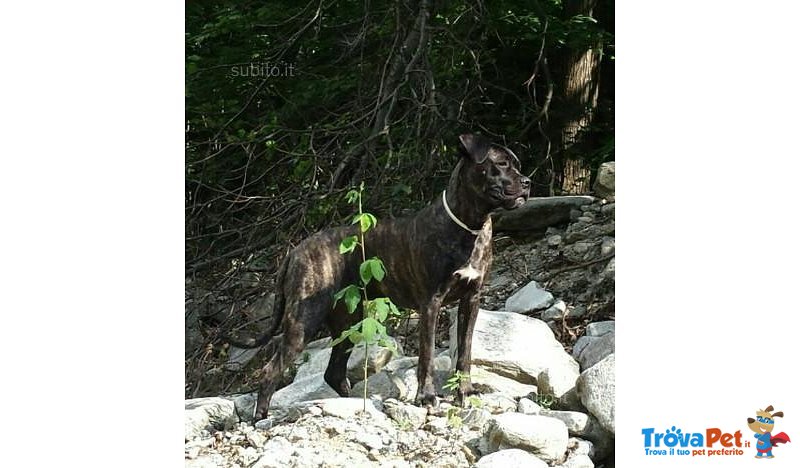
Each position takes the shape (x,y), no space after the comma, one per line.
(474,232)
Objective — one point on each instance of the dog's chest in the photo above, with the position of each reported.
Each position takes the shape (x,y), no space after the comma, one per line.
(470,274)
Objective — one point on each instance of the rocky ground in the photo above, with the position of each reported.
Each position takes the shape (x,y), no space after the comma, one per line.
(543,360)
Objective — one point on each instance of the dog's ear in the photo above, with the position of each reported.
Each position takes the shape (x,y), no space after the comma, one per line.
(778,414)
(769,408)
(474,146)
(750,420)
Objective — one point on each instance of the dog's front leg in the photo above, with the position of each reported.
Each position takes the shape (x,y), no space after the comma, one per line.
(429,313)
(467,315)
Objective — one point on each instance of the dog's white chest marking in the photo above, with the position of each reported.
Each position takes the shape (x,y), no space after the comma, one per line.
(469,272)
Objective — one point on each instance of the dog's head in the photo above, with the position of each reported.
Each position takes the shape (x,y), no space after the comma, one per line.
(493,173)
(764,421)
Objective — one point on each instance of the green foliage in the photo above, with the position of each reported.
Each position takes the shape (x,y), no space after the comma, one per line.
(371,329)
(454,381)
(545,400)
(454,419)
(348,244)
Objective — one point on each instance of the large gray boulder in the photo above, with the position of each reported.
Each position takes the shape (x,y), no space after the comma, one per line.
(406,415)
(594,349)
(596,388)
(207,414)
(584,426)
(310,388)
(600,328)
(604,184)
(544,437)
(510,458)
(519,348)
(538,213)
(485,381)
(528,299)
(314,359)
(400,381)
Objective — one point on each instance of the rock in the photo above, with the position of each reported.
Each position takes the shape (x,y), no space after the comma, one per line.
(596,350)
(600,328)
(520,348)
(584,426)
(608,209)
(401,364)
(309,388)
(314,360)
(578,461)
(277,453)
(576,422)
(407,416)
(238,358)
(554,240)
(604,184)
(596,388)
(489,382)
(538,213)
(581,344)
(579,446)
(207,414)
(346,408)
(256,438)
(378,357)
(510,458)
(585,219)
(608,271)
(370,441)
(577,312)
(607,246)
(527,406)
(437,425)
(530,298)
(245,405)
(401,385)
(555,311)
(475,418)
(544,437)
(498,403)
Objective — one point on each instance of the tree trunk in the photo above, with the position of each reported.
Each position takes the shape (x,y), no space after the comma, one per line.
(580,89)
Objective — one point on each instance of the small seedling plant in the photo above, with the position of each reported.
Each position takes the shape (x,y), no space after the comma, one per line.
(371,329)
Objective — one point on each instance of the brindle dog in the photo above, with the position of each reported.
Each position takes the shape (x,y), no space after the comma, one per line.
(437,257)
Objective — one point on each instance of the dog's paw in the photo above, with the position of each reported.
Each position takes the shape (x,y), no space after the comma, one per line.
(427,399)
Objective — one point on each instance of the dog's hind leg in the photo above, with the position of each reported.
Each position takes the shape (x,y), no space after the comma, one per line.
(295,334)
(336,373)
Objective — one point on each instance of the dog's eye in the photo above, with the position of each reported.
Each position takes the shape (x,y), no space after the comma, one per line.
(502,164)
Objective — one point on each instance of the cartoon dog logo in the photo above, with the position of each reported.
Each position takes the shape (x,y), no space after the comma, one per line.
(762,426)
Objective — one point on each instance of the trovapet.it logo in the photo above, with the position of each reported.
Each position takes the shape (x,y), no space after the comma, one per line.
(713,441)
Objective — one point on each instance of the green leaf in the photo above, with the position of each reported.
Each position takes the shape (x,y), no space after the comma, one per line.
(369,328)
(366,220)
(371,268)
(352,196)
(381,308)
(348,244)
(351,295)
(377,268)
(355,337)
(365,272)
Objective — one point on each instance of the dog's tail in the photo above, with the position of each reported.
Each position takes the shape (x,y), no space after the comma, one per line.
(277,313)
